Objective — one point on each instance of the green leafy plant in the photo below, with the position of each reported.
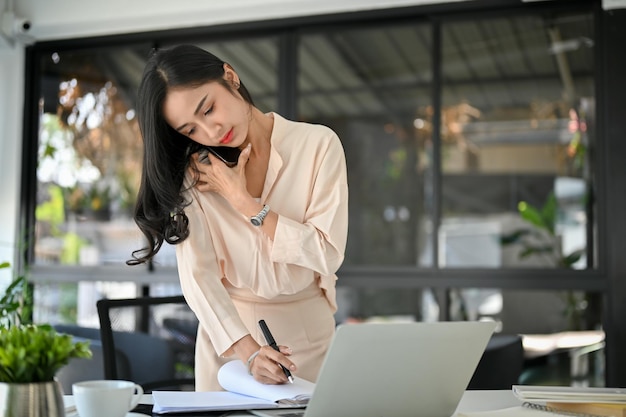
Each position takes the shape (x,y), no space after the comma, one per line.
(34,353)
(16,303)
(29,352)
(534,242)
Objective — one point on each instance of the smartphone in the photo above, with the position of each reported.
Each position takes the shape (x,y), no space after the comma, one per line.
(226,154)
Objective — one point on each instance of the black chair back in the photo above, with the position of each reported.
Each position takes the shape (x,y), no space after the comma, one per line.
(156,334)
(500,365)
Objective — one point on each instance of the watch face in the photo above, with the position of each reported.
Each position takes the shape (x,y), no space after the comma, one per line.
(258,219)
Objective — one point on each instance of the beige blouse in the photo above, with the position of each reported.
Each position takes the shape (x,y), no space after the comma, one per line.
(306,185)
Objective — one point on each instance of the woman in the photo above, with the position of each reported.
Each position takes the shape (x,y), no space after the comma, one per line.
(260,240)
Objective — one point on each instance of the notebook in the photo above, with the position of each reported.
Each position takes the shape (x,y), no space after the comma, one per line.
(561,409)
(395,370)
(567,394)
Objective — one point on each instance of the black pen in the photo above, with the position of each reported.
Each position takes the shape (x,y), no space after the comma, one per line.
(270,341)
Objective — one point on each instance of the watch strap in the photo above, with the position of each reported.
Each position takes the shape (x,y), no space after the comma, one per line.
(257,220)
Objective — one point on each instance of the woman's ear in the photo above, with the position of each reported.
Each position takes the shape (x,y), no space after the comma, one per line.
(230,75)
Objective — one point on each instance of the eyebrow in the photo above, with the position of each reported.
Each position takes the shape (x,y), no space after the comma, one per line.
(198,107)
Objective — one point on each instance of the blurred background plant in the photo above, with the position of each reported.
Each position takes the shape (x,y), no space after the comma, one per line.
(16,304)
(543,240)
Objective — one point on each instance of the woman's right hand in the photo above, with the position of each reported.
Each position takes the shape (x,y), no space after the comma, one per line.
(265,367)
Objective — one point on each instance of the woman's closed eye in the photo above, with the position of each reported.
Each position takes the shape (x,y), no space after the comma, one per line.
(193,129)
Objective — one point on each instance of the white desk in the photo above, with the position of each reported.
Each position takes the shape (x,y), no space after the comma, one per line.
(487,400)
(471,401)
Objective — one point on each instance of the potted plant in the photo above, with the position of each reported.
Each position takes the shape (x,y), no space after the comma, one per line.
(30,356)
(34,353)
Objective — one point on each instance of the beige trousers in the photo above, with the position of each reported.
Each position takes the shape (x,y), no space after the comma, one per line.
(304,322)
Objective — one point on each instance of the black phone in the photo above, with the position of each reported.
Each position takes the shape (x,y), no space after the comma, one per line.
(226,154)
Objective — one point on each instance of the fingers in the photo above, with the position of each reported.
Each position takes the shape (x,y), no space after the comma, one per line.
(244,155)
(203,157)
(279,357)
(203,187)
(199,164)
(203,167)
(285,350)
(266,366)
(209,167)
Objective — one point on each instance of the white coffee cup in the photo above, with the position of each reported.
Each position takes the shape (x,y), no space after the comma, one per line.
(106,398)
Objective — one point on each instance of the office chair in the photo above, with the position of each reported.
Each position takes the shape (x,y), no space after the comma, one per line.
(82,369)
(156,334)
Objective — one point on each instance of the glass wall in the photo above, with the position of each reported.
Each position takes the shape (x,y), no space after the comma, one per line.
(516,126)
(467,139)
(516,123)
(89,156)
(89,168)
(90,149)
(373,87)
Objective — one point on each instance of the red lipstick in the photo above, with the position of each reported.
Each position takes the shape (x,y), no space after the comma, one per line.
(227,138)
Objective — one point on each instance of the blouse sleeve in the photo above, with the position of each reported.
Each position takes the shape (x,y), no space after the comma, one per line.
(201,282)
(318,243)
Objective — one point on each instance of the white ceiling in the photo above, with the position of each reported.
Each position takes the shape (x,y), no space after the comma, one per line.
(65,19)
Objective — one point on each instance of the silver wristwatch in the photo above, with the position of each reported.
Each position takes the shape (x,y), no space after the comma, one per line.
(257,220)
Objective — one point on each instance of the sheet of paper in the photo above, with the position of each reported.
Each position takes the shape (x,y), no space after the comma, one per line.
(233,376)
(189,401)
(243,392)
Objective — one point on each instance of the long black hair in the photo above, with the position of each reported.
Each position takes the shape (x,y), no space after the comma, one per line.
(159,211)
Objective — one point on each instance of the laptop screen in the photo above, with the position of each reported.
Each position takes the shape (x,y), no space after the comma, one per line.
(396,369)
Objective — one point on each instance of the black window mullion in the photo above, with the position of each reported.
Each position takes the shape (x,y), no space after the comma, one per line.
(288,75)
(30,146)
(434,191)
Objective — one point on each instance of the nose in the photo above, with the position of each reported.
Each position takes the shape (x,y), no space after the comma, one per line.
(209,131)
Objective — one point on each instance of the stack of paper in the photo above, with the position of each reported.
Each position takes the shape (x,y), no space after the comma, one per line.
(578,401)
(538,401)
(536,393)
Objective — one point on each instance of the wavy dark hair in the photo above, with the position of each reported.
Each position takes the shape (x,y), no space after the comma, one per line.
(159,211)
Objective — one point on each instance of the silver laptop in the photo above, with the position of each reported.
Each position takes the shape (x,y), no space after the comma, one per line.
(395,370)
